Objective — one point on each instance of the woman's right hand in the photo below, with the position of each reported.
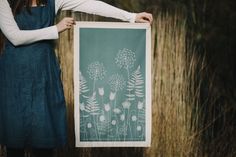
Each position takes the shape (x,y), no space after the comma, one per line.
(65,23)
(144,17)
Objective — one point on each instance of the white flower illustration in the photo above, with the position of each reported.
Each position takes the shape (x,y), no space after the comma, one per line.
(101,91)
(117,110)
(102,118)
(117,82)
(112,96)
(126,104)
(89,125)
(113,122)
(125,58)
(107,107)
(123,130)
(94,94)
(139,128)
(82,107)
(122,117)
(134,118)
(140,105)
(96,71)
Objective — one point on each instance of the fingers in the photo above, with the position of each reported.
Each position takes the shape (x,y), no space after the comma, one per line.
(144,20)
(147,17)
(150,17)
(144,17)
(69,22)
(65,23)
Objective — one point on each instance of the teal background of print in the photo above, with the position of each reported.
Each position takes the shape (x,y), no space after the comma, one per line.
(97,121)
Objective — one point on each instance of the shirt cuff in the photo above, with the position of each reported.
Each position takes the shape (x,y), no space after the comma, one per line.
(132,17)
(53,32)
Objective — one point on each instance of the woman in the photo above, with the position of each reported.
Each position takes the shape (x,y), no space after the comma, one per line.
(32,108)
(18,37)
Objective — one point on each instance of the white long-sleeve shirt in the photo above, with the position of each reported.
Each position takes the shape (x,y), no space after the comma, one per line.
(95,7)
(10,29)
(18,37)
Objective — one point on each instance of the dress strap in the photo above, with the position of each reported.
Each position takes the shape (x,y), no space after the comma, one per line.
(51,5)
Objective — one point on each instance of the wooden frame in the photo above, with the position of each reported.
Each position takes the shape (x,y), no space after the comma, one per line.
(112,84)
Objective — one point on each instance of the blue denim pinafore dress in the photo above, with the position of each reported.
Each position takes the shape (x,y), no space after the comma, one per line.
(32,104)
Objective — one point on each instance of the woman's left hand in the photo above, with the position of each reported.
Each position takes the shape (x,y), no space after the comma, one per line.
(144,17)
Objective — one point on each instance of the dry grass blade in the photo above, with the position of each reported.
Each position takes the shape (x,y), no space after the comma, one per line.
(174,93)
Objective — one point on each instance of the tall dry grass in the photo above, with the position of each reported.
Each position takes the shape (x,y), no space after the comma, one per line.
(175,93)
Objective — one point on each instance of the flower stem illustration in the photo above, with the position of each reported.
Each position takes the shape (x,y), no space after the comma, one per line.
(126,59)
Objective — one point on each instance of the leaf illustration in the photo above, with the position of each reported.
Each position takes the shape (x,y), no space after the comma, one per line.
(83,88)
(103,128)
(135,85)
(141,116)
(92,106)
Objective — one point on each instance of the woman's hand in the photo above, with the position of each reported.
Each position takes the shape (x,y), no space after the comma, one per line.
(144,18)
(65,23)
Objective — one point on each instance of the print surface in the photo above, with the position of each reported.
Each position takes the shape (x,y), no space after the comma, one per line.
(112,85)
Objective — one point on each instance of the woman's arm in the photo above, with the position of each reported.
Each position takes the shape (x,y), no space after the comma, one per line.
(18,37)
(95,7)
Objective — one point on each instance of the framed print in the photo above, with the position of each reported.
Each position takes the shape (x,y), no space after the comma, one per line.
(112,84)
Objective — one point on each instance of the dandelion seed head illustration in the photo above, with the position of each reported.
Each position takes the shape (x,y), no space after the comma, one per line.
(96,71)
(117,82)
(125,58)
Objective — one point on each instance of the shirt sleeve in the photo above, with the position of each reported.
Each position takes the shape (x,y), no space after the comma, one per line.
(19,37)
(95,7)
